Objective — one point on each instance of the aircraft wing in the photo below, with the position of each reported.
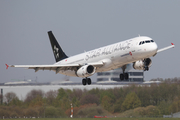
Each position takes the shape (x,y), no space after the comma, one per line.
(55,67)
(163,49)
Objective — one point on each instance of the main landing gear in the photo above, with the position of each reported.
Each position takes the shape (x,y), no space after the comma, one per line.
(124,75)
(86,81)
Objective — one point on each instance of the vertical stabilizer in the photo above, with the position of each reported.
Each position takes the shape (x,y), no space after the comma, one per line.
(57,50)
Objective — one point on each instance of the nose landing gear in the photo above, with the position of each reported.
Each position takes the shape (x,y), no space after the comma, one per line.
(147,62)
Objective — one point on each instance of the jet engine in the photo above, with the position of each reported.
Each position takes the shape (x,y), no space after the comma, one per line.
(142,64)
(85,71)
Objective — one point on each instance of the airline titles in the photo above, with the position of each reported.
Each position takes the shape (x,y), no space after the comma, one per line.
(108,50)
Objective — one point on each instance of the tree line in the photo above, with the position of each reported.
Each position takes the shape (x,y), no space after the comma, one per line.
(137,100)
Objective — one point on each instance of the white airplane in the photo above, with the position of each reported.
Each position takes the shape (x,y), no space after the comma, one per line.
(137,50)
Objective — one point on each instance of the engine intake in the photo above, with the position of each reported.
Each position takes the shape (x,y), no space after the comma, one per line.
(85,71)
(142,64)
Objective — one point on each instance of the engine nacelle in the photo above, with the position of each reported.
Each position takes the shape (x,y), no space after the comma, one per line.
(85,71)
(140,65)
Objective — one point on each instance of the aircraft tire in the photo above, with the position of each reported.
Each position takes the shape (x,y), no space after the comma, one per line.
(84,81)
(146,68)
(126,76)
(88,81)
(121,76)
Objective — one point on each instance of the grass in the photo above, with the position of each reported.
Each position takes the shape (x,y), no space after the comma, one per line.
(102,119)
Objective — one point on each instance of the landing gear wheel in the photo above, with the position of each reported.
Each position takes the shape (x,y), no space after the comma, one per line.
(84,81)
(146,68)
(121,76)
(88,81)
(126,76)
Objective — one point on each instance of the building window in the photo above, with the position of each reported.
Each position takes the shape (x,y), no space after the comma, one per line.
(136,73)
(102,79)
(115,79)
(106,73)
(136,79)
(103,73)
(100,73)
(115,73)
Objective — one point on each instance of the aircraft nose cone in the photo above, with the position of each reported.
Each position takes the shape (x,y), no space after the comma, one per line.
(155,47)
(151,49)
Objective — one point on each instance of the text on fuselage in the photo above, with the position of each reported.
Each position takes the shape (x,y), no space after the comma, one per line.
(108,50)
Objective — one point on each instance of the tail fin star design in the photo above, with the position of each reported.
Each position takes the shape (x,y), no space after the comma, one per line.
(57,50)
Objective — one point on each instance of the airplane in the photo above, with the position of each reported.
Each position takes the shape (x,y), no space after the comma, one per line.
(132,53)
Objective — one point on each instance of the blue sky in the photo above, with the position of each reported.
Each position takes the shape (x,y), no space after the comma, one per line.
(84,25)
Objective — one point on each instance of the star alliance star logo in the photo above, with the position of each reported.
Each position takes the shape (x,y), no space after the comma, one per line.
(56,53)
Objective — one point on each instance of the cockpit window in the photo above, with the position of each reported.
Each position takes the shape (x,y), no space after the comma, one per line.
(147,41)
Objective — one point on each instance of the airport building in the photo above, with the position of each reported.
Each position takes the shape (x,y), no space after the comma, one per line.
(113,75)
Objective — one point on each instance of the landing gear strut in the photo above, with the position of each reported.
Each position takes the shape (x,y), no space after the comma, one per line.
(86,81)
(124,75)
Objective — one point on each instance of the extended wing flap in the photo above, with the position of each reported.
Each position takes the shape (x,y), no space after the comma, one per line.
(48,67)
(55,67)
(44,66)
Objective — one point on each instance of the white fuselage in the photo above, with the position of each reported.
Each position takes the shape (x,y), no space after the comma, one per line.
(115,55)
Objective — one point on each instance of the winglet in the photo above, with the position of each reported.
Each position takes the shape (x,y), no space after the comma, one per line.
(172,44)
(7,66)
